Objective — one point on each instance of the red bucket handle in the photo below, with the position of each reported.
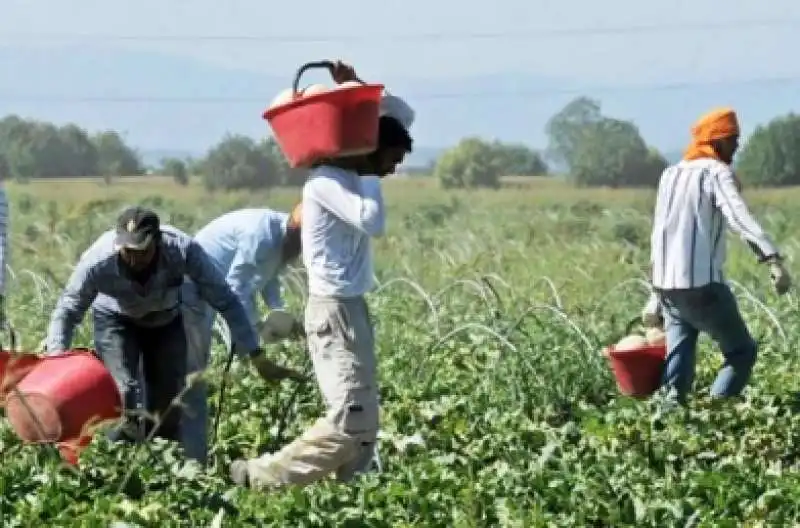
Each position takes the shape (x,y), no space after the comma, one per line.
(328,65)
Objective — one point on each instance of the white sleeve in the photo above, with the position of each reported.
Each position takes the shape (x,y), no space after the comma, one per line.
(364,210)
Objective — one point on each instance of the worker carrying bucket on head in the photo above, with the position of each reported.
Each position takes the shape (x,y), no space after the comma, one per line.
(132,278)
(697,199)
(343,209)
(250,248)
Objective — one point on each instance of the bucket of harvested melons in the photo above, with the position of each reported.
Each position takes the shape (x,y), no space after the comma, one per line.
(637,361)
(318,123)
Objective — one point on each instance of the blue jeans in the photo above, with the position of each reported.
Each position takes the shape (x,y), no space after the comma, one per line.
(123,346)
(711,309)
(198,318)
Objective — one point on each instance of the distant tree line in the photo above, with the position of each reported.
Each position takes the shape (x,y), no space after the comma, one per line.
(33,149)
(595,150)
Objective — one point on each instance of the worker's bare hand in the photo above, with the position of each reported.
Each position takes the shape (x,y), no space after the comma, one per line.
(343,72)
(271,371)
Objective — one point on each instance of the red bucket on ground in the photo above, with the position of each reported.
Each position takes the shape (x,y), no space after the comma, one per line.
(638,371)
(13,367)
(62,399)
(340,122)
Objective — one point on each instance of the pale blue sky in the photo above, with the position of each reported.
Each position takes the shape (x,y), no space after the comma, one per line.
(379,39)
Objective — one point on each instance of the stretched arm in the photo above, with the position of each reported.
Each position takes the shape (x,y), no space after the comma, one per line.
(243,274)
(215,291)
(364,211)
(78,295)
(271,294)
(740,220)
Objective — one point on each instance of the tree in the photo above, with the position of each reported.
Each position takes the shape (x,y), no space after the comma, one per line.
(115,158)
(470,164)
(238,162)
(515,159)
(177,169)
(599,150)
(771,156)
(286,175)
(35,149)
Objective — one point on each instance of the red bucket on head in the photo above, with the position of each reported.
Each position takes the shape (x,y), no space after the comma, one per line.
(638,371)
(340,122)
(62,397)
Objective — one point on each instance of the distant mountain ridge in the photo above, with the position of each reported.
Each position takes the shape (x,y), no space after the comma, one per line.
(175,104)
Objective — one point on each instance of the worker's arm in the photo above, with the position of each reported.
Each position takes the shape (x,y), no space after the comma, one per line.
(78,295)
(741,221)
(213,288)
(363,210)
(271,294)
(243,275)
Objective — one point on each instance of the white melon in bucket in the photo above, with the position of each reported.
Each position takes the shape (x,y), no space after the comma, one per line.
(314,89)
(283,97)
(631,342)
(349,84)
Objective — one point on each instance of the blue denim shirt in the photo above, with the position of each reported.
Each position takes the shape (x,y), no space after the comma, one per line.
(245,246)
(98,280)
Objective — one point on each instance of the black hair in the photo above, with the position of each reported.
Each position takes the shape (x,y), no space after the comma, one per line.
(392,134)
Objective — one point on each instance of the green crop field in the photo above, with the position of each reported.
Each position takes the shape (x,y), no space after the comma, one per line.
(498,408)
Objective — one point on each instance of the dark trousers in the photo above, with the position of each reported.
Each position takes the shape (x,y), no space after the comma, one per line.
(123,346)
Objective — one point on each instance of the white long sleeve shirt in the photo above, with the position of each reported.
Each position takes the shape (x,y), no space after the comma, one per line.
(696,201)
(341,212)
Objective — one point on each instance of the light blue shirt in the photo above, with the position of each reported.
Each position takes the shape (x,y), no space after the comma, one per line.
(342,211)
(245,246)
(99,281)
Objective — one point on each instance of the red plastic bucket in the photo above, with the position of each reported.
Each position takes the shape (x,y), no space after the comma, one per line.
(14,367)
(638,372)
(337,123)
(62,397)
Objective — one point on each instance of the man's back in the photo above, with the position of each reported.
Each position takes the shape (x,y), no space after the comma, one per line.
(341,211)
(695,203)
(223,236)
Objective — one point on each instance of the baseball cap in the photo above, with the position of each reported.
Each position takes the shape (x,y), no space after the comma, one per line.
(137,227)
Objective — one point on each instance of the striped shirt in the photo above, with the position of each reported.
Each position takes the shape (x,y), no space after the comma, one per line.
(341,212)
(696,201)
(3,238)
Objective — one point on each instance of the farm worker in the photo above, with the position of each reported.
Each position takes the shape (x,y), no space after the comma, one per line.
(342,210)
(250,248)
(697,199)
(132,278)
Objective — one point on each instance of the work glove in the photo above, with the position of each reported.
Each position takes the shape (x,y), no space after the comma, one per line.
(270,371)
(781,280)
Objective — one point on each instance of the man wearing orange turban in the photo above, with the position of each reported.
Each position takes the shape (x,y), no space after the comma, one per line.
(697,199)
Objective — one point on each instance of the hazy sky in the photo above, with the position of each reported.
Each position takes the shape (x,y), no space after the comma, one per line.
(609,43)
(380,38)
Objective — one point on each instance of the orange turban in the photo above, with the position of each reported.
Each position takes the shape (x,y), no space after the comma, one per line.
(296,216)
(719,123)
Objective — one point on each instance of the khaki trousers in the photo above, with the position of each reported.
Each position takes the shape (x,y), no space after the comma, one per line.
(342,347)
